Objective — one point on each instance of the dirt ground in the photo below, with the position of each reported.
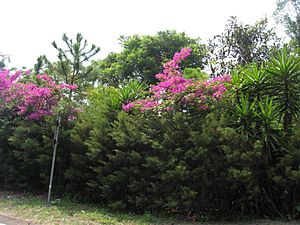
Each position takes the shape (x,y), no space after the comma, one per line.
(9,220)
(259,222)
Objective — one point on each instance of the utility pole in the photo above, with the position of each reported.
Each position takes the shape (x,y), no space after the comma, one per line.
(55,143)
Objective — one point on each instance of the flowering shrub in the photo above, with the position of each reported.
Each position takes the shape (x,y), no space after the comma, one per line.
(174,89)
(27,98)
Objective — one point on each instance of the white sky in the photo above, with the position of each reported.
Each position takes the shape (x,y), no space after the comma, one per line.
(29,26)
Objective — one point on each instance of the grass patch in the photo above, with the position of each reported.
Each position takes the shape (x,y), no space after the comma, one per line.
(62,212)
(34,208)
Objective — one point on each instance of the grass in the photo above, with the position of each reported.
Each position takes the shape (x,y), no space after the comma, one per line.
(62,212)
(34,209)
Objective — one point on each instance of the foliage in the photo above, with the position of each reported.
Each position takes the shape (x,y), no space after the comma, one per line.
(200,146)
(288,14)
(174,89)
(142,56)
(3,59)
(228,160)
(285,77)
(71,66)
(93,126)
(241,44)
(26,155)
(20,96)
(277,82)
(130,91)
(28,103)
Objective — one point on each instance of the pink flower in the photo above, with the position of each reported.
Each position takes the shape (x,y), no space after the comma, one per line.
(69,86)
(173,88)
(44,77)
(168,109)
(161,76)
(204,107)
(28,99)
(127,107)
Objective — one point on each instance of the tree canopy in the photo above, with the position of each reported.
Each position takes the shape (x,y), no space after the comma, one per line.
(288,14)
(3,59)
(241,44)
(143,56)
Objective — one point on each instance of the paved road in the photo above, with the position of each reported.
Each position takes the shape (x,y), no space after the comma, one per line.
(6,220)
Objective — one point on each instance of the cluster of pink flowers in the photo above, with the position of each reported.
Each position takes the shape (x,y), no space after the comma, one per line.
(27,98)
(174,89)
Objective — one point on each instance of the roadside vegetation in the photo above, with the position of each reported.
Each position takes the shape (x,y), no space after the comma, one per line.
(168,126)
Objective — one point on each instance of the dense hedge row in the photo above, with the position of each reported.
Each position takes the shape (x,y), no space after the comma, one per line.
(188,163)
(239,156)
(195,164)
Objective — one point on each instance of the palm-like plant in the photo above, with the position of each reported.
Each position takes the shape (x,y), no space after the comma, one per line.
(131,91)
(244,111)
(284,86)
(267,114)
(254,80)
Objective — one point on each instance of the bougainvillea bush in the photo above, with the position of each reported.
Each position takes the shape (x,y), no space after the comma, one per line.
(173,89)
(32,97)
(29,105)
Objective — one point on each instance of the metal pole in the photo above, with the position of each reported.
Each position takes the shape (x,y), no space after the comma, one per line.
(55,143)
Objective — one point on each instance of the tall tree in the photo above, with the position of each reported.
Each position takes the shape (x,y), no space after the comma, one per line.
(241,44)
(71,65)
(75,55)
(41,64)
(142,57)
(284,86)
(3,59)
(288,14)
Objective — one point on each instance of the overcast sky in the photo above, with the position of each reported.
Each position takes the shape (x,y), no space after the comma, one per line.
(29,26)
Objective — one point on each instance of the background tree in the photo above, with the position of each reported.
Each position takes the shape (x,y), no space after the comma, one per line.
(241,44)
(288,14)
(143,56)
(284,86)
(41,65)
(71,66)
(3,59)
